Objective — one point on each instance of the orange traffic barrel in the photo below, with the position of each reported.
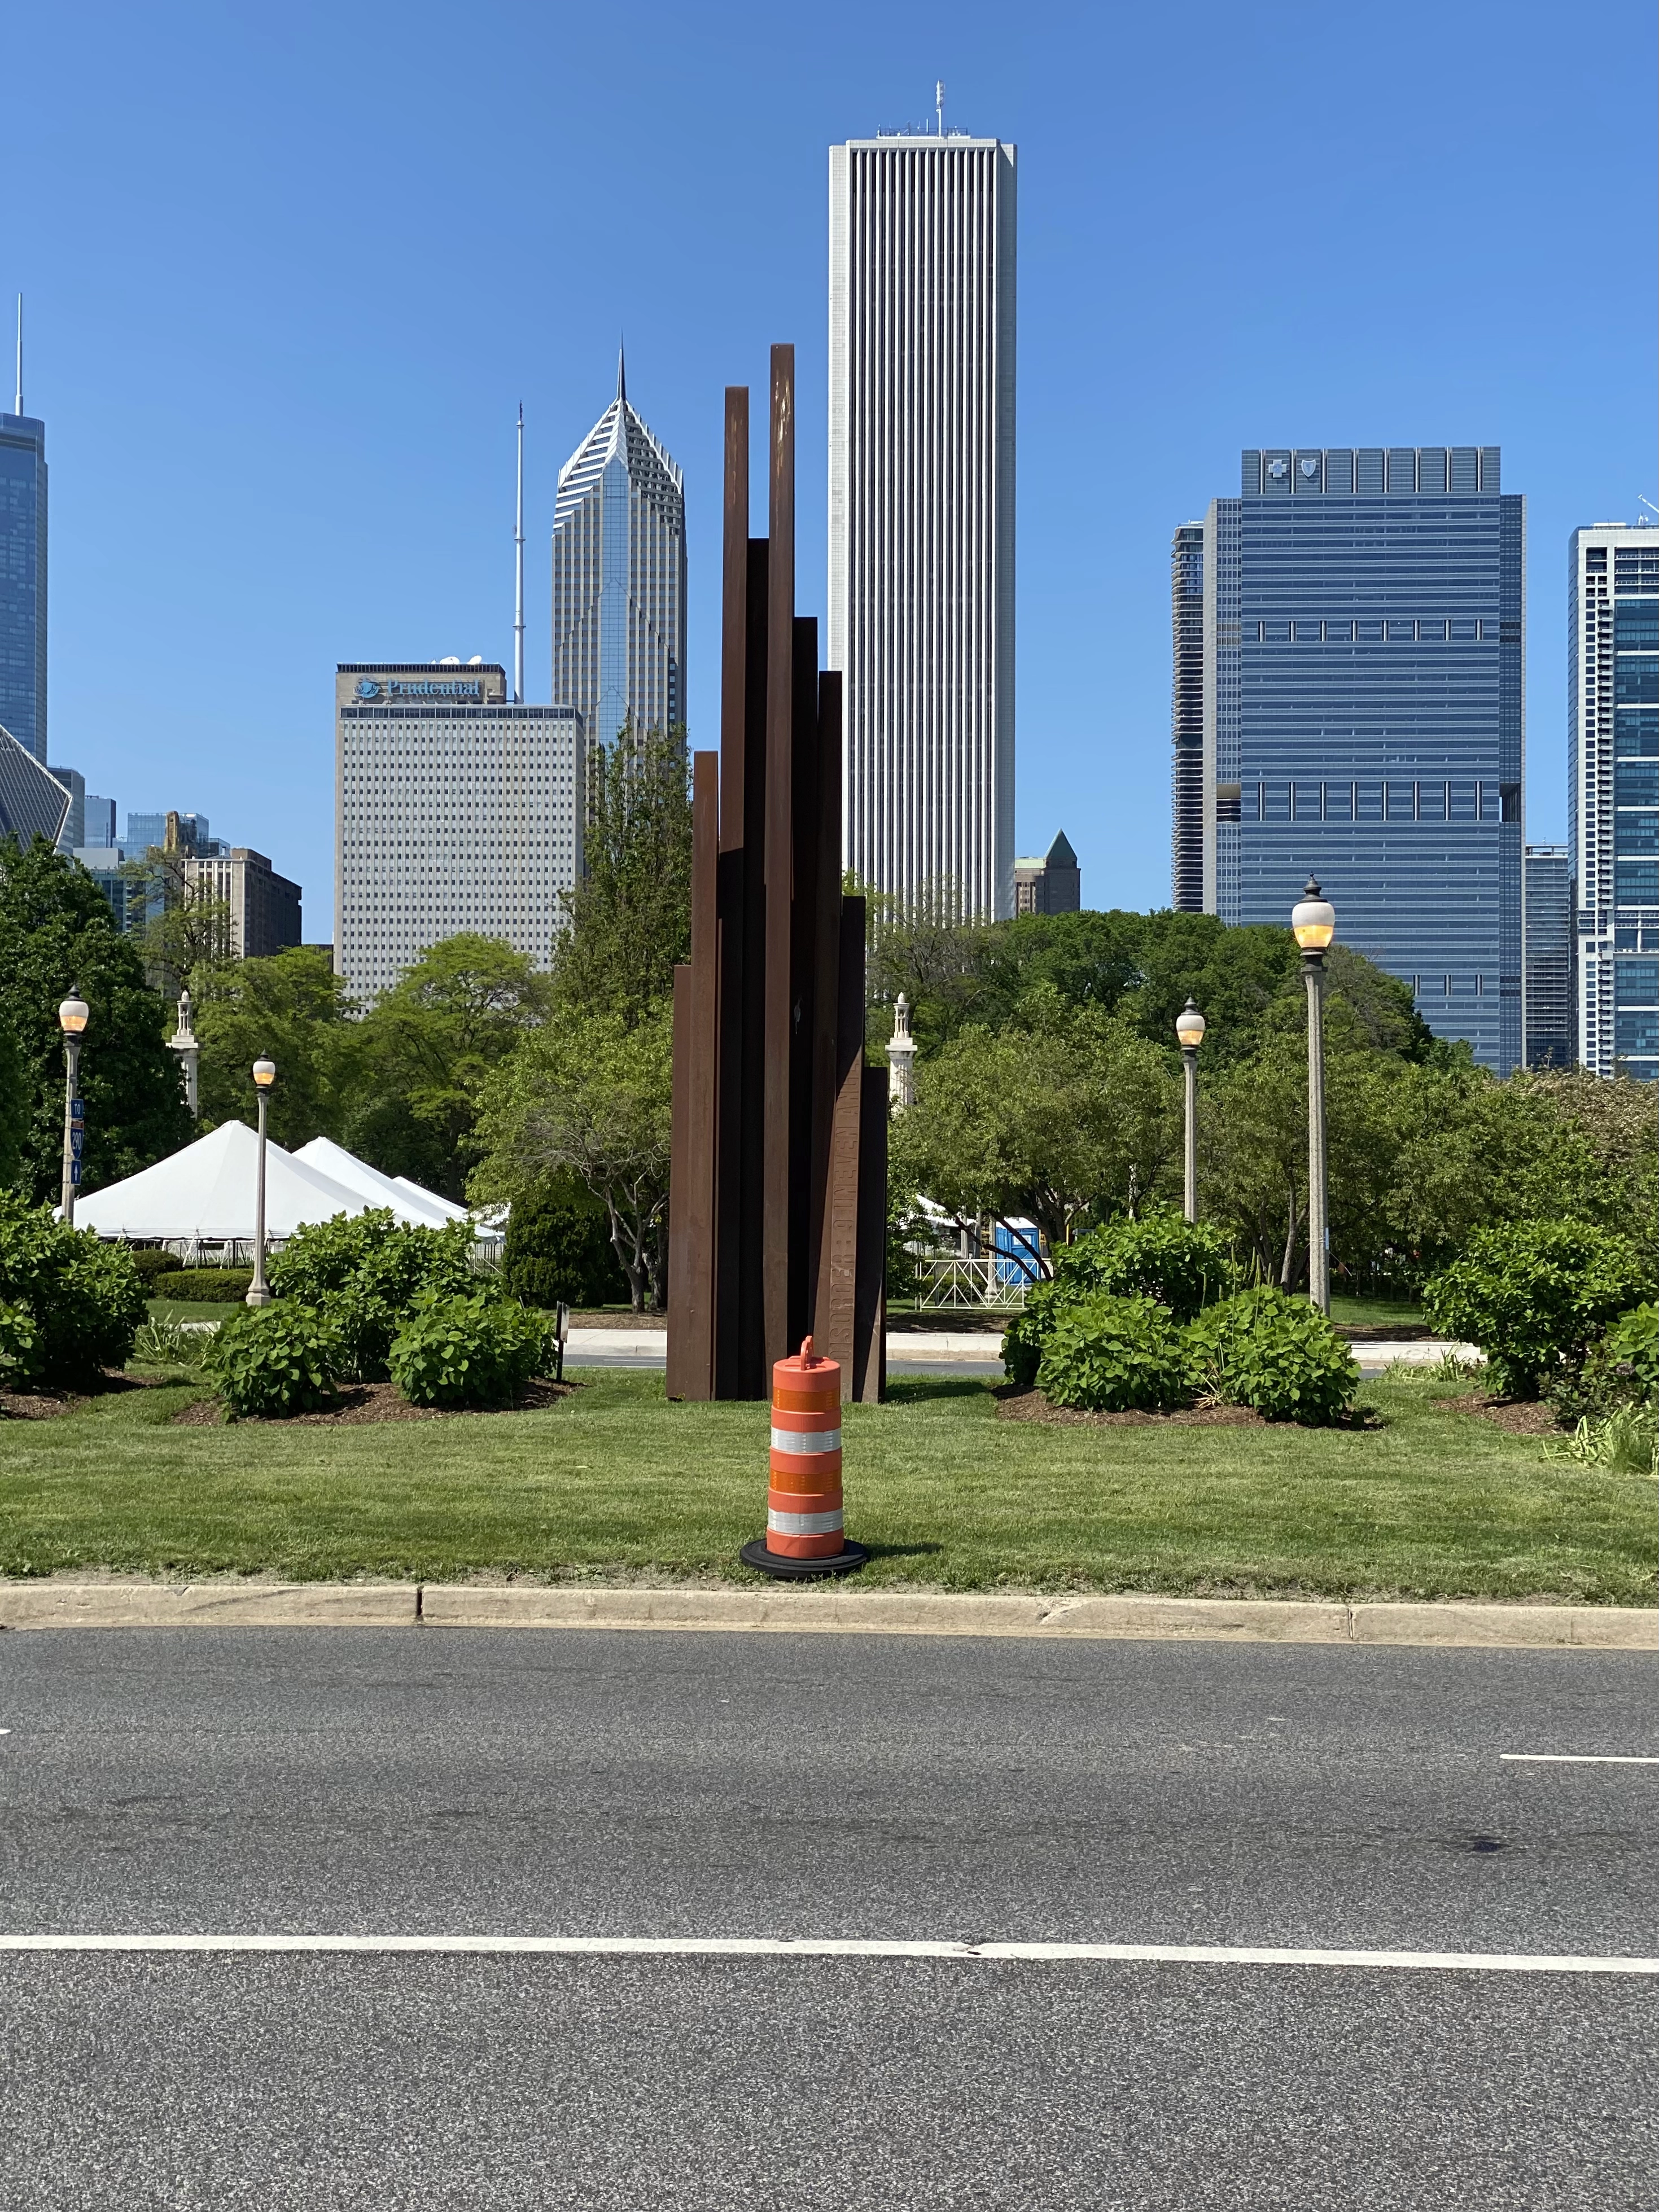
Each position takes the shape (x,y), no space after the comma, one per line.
(803,1531)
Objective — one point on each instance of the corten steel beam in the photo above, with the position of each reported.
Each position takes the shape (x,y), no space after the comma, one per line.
(777,1317)
(833,1313)
(691,1227)
(803,974)
(870,1295)
(749,1348)
(825,943)
(729,1217)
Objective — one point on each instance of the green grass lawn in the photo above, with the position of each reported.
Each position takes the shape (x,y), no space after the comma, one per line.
(1375,1313)
(616,1483)
(191,1310)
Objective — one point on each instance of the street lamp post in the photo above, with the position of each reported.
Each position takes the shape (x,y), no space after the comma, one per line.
(1313,923)
(264,1074)
(1189,1027)
(72,1018)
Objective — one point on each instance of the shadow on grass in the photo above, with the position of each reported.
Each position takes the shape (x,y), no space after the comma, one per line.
(915,1390)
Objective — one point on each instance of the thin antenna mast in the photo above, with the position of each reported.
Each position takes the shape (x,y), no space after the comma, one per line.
(518,608)
(18,408)
(939,104)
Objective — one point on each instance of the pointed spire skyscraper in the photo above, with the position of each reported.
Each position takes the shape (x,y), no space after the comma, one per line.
(619,578)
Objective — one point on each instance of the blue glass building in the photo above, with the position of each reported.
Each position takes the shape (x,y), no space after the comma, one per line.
(24,581)
(1363,715)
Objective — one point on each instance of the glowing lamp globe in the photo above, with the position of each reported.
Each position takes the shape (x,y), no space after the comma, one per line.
(1313,920)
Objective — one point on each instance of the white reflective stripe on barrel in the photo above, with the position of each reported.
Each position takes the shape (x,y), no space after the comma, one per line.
(805,1524)
(807,1440)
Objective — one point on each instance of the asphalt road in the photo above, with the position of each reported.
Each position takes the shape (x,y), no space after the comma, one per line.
(431,1781)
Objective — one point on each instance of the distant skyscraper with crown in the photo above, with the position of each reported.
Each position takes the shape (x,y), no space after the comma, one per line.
(619,578)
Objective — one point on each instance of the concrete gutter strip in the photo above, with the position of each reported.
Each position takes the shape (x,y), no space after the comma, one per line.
(224,1604)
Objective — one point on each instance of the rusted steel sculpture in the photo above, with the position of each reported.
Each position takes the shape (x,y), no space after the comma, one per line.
(778,1182)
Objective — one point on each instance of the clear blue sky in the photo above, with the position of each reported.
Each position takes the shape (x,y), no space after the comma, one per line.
(289,272)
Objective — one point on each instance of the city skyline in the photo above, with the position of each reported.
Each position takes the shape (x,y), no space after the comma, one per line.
(273,499)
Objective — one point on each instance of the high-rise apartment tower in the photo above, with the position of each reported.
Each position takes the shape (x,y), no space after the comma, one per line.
(1363,687)
(1186,792)
(619,579)
(922,510)
(1613,794)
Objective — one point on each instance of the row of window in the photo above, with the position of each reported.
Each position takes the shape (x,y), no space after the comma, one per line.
(1395,629)
(1389,801)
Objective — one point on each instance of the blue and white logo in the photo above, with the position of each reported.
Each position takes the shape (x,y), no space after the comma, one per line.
(1310,469)
(368,688)
(1277,469)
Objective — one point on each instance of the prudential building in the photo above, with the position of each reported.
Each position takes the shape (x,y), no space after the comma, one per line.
(1362,713)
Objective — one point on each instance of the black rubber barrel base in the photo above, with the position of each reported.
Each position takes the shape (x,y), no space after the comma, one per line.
(785,1570)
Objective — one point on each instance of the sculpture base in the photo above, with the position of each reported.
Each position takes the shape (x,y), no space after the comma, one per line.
(783,1569)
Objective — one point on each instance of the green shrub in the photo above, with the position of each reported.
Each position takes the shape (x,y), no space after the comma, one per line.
(558,1247)
(367,1271)
(476,1351)
(1277,1354)
(1023,1338)
(1621,1371)
(1184,1265)
(1111,1355)
(16,1346)
(275,1359)
(1626,1441)
(153,1260)
(1536,1296)
(84,1299)
(217,1287)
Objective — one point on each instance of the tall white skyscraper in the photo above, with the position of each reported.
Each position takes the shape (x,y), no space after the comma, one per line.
(1612,795)
(922,508)
(619,579)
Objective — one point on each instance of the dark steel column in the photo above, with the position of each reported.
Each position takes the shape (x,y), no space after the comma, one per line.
(779,840)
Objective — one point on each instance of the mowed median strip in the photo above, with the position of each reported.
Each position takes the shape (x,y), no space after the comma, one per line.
(1421,1521)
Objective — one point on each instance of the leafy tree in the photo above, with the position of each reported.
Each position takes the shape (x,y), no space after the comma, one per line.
(420,1057)
(589,1096)
(630,914)
(185,923)
(57,933)
(1073,1116)
(293,1007)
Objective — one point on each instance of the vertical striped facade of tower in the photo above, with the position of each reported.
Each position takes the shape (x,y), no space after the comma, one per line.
(922,510)
(619,580)
(1188,783)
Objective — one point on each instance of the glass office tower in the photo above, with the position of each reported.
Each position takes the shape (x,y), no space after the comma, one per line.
(24,581)
(1613,794)
(1547,931)
(1363,715)
(619,579)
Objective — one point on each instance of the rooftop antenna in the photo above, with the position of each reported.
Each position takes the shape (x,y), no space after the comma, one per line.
(517,605)
(18,408)
(939,104)
(1642,522)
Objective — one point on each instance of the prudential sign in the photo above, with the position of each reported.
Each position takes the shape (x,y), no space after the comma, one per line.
(454,687)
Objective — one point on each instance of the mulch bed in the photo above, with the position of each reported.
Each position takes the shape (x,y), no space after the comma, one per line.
(1522,1417)
(46,1404)
(377,1401)
(1033,1405)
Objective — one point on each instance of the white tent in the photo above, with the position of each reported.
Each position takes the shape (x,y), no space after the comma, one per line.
(404,1198)
(204,1194)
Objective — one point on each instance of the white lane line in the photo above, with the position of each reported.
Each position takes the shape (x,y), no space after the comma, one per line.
(1573,1758)
(810,1947)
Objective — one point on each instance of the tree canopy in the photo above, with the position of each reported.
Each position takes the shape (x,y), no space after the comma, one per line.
(57,933)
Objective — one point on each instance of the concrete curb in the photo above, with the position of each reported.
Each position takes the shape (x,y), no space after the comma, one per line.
(225,1604)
